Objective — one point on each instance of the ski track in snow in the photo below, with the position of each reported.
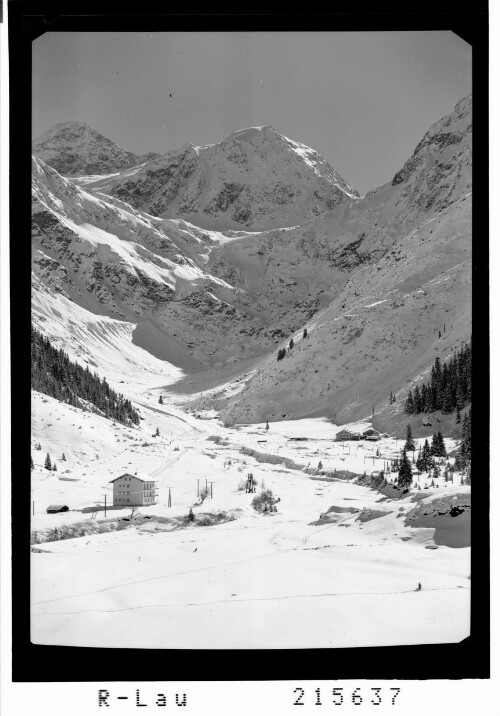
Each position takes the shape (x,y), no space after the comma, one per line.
(253,599)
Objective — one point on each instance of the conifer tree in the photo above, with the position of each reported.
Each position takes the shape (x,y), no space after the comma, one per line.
(47,465)
(304,335)
(420,463)
(63,457)
(54,467)
(157,432)
(160,400)
(38,447)
(466,446)
(441,445)
(409,405)
(410,443)
(291,344)
(458,418)
(404,474)
(417,401)
(426,456)
(320,465)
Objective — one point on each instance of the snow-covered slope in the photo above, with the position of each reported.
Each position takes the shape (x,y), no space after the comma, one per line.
(387,273)
(74,148)
(204,298)
(116,261)
(278,580)
(255,179)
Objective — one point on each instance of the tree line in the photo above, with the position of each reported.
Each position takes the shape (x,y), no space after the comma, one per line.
(449,387)
(54,374)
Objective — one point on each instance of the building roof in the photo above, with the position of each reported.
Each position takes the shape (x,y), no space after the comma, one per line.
(136,477)
(57,507)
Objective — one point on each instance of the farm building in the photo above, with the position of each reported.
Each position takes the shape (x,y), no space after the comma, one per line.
(356,436)
(130,490)
(371,432)
(373,438)
(51,509)
(343,435)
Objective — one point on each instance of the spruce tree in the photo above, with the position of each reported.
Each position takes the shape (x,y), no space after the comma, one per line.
(38,447)
(458,418)
(409,405)
(63,457)
(54,467)
(160,400)
(426,456)
(291,344)
(410,443)
(304,335)
(417,401)
(320,465)
(157,432)
(441,445)
(404,475)
(420,463)
(47,465)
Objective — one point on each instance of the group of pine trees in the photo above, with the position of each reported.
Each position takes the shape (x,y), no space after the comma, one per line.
(464,454)
(282,351)
(449,388)
(54,374)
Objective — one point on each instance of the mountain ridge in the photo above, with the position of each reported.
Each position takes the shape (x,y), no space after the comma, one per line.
(205,298)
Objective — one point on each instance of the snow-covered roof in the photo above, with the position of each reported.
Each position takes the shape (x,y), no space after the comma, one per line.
(136,477)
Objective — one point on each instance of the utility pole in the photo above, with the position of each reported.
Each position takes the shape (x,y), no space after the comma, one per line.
(206,485)
(198,488)
(169,504)
(105,496)
(33,508)
(212,489)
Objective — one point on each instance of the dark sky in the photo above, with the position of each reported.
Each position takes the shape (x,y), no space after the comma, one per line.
(363,100)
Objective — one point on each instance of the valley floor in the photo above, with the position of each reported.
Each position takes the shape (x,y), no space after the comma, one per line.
(259,580)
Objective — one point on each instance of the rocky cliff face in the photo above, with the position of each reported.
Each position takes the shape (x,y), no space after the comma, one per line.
(255,179)
(74,148)
(374,280)
(119,262)
(395,269)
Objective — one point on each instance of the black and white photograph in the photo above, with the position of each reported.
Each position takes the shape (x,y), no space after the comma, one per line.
(251,339)
(249,274)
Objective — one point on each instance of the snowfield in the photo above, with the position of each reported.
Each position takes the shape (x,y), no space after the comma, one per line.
(337,565)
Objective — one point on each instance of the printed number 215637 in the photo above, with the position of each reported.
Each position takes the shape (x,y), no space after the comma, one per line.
(340,696)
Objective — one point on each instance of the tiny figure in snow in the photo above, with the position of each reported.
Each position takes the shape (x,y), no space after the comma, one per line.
(190,515)
(267,424)
(419,588)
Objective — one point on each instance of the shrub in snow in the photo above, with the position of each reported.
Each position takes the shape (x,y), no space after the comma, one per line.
(265,501)
(204,493)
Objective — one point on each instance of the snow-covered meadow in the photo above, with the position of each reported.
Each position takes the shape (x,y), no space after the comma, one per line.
(338,564)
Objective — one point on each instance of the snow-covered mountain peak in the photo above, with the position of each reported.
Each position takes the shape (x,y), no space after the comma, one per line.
(255,179)
(75,148)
